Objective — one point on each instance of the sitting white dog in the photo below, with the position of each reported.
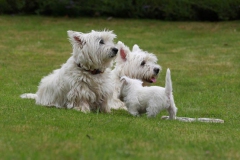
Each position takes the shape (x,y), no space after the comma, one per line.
(84,81)
(150,100)
(137,64)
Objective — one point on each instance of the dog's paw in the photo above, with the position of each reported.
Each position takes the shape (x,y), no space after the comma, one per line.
(81,109)
(165,117)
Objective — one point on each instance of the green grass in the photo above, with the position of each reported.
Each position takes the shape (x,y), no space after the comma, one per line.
(204,59)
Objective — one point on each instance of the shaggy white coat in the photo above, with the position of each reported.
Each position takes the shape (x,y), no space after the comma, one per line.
(137,64)
(150,100)
(84,81)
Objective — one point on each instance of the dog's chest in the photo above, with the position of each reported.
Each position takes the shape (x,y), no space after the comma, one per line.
(97,83)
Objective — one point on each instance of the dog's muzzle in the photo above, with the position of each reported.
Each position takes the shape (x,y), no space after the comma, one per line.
(156,70)
(114,52)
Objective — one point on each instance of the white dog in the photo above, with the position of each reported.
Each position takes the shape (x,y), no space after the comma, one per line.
(137,64)
(84,81)
(152,100)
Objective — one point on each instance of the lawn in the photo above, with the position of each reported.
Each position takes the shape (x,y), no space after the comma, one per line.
(204,58)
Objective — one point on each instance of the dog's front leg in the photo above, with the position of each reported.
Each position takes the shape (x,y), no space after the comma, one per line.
(152,111)
(79,100)
(106,105)
(82,106)
(133,110)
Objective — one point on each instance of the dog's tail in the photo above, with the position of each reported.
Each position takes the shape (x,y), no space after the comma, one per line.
(168,83)
(168,90)
(29,96)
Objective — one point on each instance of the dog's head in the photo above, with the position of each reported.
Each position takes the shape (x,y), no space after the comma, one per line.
(94,50)
(137,63)
(127,81)
(127,84)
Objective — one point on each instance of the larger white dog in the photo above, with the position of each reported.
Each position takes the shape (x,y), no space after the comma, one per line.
(84,81)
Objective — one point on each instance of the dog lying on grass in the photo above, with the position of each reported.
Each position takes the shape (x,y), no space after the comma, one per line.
(84,82)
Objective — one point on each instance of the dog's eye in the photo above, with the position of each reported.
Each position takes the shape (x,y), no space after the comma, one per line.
(101,41)
(143,63)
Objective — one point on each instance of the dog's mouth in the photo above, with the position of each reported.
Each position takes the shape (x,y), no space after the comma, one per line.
(153,79)
(112,55)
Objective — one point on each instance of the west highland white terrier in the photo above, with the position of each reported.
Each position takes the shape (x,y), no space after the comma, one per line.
(150,100)
(137,64)
(84,82)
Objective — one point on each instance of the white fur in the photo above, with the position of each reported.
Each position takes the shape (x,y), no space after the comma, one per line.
(150,100)
(188,119)
(137,64)
(84,81)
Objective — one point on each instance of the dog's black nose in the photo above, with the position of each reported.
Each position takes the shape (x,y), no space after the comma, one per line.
(115,50)
(156,70)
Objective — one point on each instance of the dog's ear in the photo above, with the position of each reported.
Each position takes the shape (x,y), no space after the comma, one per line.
(136,48)
(123,80)
(76,37)
(71,33)
(123,54)
(124,50)
(123,83)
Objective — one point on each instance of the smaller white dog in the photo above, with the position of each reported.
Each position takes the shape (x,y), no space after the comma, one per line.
(150,100)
